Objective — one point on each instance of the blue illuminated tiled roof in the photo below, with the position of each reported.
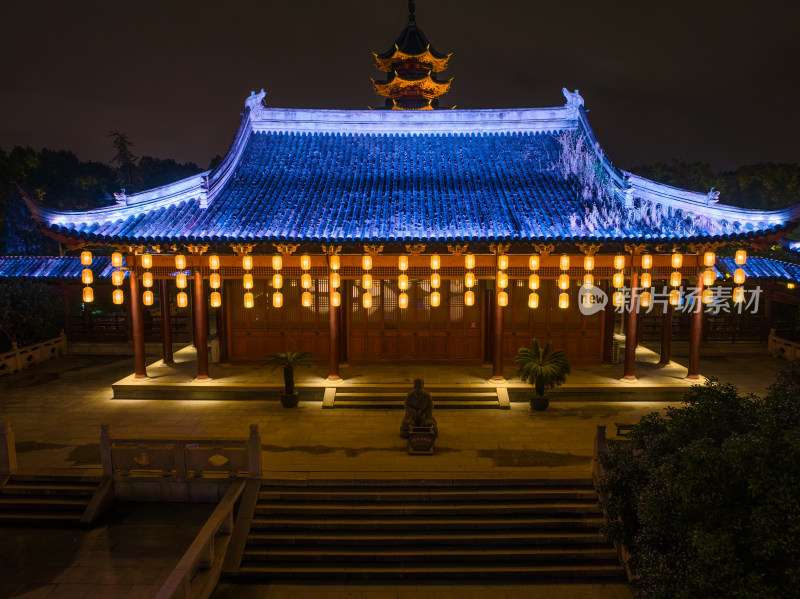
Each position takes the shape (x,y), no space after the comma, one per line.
(60,267)
(763,268)
(455,175)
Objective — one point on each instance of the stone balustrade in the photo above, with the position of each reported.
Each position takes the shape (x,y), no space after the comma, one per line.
(782,348)
(21,357)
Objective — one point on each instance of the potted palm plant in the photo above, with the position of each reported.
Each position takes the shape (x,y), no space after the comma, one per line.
(544,369)
(288,360)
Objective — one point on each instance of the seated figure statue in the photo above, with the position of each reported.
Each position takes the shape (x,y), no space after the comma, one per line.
(419,410)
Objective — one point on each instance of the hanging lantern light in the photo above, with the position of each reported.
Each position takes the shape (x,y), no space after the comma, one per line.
(563,262)
(335,280)
(738,295)
(675,278)
(741,257)
(180,261)
(277,281)
(502,280)
(533,262)
(709,258)
(215,281)
(469,298)
(86,258)
(147,279)
(789,285)
(87,276)
(674,297)
(216,299)
(306,299)
(402,263)
(709,276)
(644,299)
(366,262)
(277,299)
(739,276)
(147,298)
(647,261)
(116,260)
(117,297)
(533,300)
(502,299)
(618,280)
(435,299)
(88,295)
(708,296)
(247,281)
(619,261)
(277,262)
(588,263)
(618,299)
(677,260)
(588,280)
(402,301)
(180,280)
(183,299)
(249,302)
(469,261)
(647,280)
(563,300)
(213,262)
(305,261)
(563,281)
(366,281)
(502,262)
(587,300)
(336,299)
(334,262)
(247,262)
(402,282)
(117,277)
(469,280)
(305,281)
(436,262)
(533,282)
(436,280)
(147,261)
(366,300)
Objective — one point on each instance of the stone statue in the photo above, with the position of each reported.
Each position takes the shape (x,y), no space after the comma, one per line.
(419,410)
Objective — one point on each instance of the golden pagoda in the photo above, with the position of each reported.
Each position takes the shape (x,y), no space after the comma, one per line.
(411,65)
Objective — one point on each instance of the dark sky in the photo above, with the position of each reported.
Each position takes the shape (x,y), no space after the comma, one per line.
(709,80)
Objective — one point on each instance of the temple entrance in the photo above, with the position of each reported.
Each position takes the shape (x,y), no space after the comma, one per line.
(450,331)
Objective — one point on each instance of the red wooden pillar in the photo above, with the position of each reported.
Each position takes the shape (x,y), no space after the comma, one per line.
(137,322)
(696,329)
(497,333)
(200,325)
(666,336)
(609,316)
(166,321)
(333,326)
(631,322)
(222,325)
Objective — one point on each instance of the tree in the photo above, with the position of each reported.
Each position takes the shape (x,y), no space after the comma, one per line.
(124,160)
(707,497)
(30,311)
(542,368)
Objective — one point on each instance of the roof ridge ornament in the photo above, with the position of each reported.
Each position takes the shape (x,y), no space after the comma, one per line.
(574,101)
(712,197)
(256,103)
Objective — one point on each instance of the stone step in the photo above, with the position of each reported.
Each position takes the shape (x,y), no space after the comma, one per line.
(401,571)
(398,404)
(386,509)
(402,396)
(445,537)
(42,503)
(423,484)
(50,479)
(567,522)
(454,554)
(428,495)
(25,488)
(26,518)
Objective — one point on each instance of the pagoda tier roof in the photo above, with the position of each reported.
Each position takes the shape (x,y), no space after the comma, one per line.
(388,63)
(361,175)
(413,42)
(425,85)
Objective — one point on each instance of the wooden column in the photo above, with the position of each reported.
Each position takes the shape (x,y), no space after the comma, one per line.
(222,325)
(666,336)
(609,316)
(631,322)
(137,322)
(166,322)
(497,333)
(192,316)
(333,325)
(696,329)
(200,325)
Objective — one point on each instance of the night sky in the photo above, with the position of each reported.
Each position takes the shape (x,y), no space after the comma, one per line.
(715,81)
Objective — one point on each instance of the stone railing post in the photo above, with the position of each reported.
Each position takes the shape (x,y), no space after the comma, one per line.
(62,342)
(600,446)
(8,449)
(254,452)
(17,357)
(105,451)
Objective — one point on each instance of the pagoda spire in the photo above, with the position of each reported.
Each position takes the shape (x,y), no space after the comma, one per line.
(411,65)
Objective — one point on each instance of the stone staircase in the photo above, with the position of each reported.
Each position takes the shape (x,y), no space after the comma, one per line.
(434,529)
(28,500)
(390,397)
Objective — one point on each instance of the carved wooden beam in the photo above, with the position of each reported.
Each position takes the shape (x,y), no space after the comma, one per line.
(634,249)
(457,250)
(197,250)
(331,250)
(544,249)
(415,249)
(240,249)
(286,249)
(373,249)
(589,249)
(499,248)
